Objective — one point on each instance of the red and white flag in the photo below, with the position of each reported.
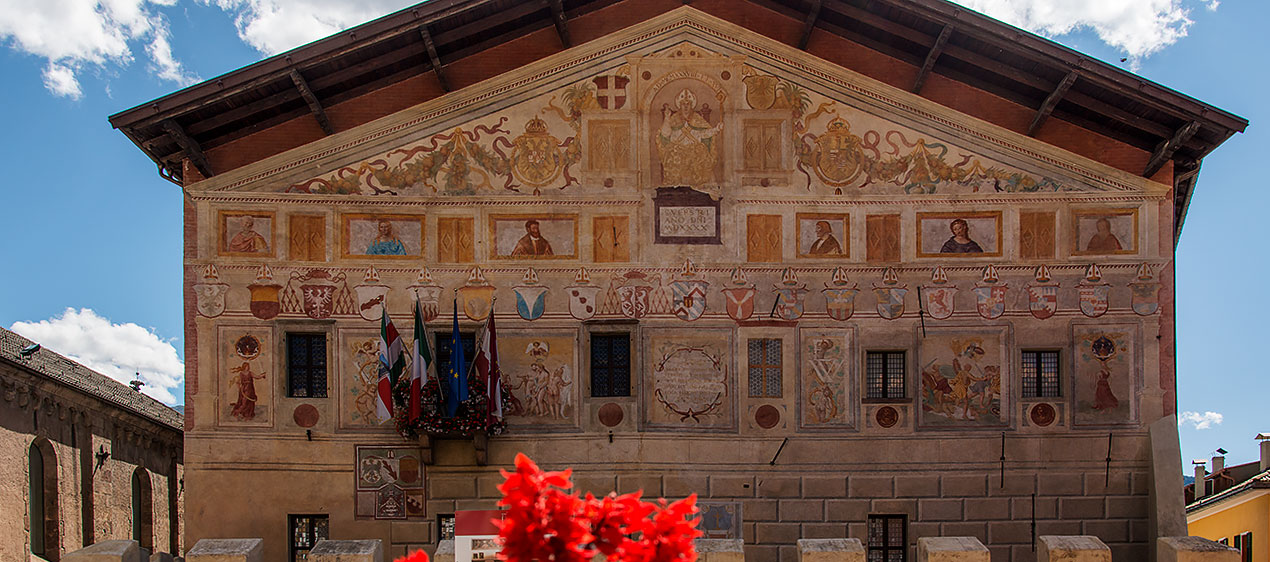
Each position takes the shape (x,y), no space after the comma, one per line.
(392,361)
(486,364)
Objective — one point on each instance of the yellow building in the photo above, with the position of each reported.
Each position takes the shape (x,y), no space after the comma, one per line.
(1234,508)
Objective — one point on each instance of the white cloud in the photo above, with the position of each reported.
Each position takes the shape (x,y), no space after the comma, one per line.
(73,35)
(1205,420)
(115,350)
(274,26)
(1138,28)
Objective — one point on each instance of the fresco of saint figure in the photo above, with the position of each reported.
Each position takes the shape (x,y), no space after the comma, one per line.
(960,242)
(825,243)
(245,381)
(686,142)
(387,243)
(532,243)
(247,241)
(1103,240)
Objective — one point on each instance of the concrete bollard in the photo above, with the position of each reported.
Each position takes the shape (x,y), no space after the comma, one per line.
(347,551)
(227,550)
(1193,549)
(830,550)
(106,551)
(444,552)
(1081,548)
(951,549)
(162,557)
(720,550)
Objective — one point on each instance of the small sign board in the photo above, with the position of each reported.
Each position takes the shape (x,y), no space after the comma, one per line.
(476,535)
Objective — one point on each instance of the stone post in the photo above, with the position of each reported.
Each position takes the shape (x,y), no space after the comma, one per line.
(227,550)
(720,550)
(951,549)
(106,551)
(1051,548)
(830,550)
(162,557)
(444,552)
(347,551)
(1193,549)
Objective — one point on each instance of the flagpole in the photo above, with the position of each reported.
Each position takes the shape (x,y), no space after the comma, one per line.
(484,334)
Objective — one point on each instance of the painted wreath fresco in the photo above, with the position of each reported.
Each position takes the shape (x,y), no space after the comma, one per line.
(825,389)
(246,383)
(690,379)
(540,370)
(961,377)
(687,102)
(1104,373)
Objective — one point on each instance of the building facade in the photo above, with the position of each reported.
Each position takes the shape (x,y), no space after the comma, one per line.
(87,458)
(721,263)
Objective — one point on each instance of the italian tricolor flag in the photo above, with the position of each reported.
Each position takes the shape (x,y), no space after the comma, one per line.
(422,364)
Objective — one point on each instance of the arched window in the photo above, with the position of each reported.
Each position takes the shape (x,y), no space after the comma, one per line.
(142,509)
(42,500)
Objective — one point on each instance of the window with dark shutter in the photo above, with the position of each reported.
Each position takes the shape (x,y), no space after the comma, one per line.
(1040,374)
(884,375)
(305,531)
(764,367)
(306,365)
(610,365)
(888,541)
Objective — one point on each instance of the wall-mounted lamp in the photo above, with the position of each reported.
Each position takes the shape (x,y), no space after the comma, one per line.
(101,455)
(308,433)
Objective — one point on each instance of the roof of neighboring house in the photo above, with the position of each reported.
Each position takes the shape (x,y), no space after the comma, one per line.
(935,36)
(1246,476)
(53,366)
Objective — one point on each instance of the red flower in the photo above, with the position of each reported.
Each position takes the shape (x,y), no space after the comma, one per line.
(545,524)
(416,556)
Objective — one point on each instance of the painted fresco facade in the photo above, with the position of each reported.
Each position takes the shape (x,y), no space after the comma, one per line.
(700,188)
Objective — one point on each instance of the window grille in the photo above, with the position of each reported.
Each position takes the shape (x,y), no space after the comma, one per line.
(765,367)
(306,365)
(887,538)
(884,374)
(305,532)
(1040,374)
(610,365)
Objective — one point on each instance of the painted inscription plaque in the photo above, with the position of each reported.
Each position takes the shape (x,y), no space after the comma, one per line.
(691,382)
(1105,373)
(826,393)
(540,371)
(962,372)
(389,483)
(685,216)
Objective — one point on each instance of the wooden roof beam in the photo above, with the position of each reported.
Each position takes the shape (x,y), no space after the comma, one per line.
(1051,101)
(1166,149)
(562,22)
(432,56)
(931,56)
(191,148)
(315,106)
(809,24)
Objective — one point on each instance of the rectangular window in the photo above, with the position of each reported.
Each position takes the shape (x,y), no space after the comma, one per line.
(887,538)
(306,365)
(610,365)
(1243,543)
(305,531)
(884,375)
(765,367)
(1040,374)
(445,527)
(442,345)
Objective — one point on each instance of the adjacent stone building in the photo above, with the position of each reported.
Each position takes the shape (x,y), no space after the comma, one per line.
(87,459)
(882,269)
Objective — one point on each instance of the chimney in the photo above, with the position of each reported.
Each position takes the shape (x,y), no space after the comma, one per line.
(1264,438)
(1200,488)
(1219,462)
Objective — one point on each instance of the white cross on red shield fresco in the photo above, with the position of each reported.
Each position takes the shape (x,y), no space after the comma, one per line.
(610,91)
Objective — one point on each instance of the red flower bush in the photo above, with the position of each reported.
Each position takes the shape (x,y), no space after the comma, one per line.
(416,556)
(544,523)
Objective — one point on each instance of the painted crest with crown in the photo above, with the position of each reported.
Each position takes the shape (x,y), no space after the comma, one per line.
(531,297)
(1042,296)
(689,293)
(838,158)
(739,298)
(939,300)
(990,294)
(840,295)
(890,295)
(537,159)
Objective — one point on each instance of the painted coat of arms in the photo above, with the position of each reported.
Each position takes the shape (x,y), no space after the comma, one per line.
(583,297)
(990,297)
(610,91)
(789,296)
(840,296)
(209,295)
(428,293)
(1094,296)
(689,294)
(940,300)
(371,296)
(837,157)
(739,298)
(318,294)
(1146,292)
(477,296)
(537,158)
(890,295)
(1043,297)
(264,295)
(531,298)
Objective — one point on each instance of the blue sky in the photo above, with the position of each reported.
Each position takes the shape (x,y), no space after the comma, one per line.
(89,224)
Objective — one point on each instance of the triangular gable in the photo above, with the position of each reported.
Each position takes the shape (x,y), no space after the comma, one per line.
(681,99)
